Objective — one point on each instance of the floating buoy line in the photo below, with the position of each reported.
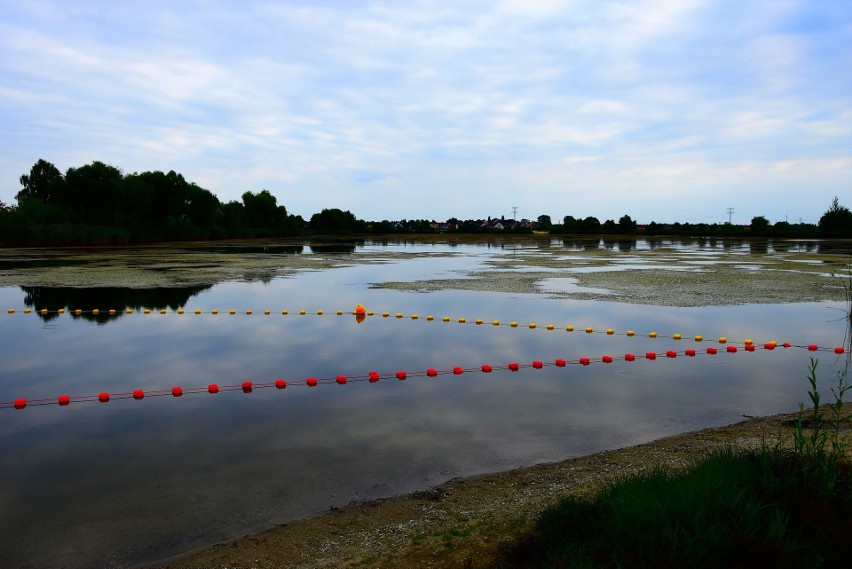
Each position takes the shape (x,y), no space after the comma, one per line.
(374,376)
(361,313)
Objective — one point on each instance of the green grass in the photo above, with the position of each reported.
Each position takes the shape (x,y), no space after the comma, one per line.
(774,507)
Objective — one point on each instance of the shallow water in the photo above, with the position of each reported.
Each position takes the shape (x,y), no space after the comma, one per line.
(124,482)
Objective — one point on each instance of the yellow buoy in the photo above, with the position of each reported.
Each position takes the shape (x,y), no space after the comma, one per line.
(44,310)
(569,328)
(319,312)
(96,311)
(652,335)
(11,311)
(214,311)
(284,313)
(414,317)
(399,315)
(699,338)
(112,311)
(722,340)
(532,325)
(147,311)
(430,318)
(496,323)
(589,330)
(610,331)
(197,311)
(340,313)
(478,321)
(631,333)
(748,341)
(163,311)
(78,311)
(550,326)
(677,336)
(514,324)
(61,311)
(302,312)
(385,314)
(129,311)
(462,320)
(180,310)
(248,312)
(445,319)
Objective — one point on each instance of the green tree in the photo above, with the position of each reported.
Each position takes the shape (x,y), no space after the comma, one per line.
(334,221)
(836,221)
(261,210)
(626,224)
(759,225)
(544,222)
(44,183)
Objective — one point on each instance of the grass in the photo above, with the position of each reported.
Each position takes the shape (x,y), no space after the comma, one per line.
(774,507)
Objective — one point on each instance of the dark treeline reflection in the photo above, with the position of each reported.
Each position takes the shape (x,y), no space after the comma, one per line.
(104,299)
(333,245)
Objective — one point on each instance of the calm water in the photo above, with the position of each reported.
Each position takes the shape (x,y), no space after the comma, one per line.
(95,484)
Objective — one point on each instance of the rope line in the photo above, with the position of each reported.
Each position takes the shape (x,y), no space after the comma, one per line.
(360,315)
(374,376)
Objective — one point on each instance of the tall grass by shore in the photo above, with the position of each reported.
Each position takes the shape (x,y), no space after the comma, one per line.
(784,506)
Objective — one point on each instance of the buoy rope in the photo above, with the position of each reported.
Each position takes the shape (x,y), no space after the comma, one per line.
(374,376)
(361,314)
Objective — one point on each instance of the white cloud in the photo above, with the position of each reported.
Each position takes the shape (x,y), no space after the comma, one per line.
(431,109)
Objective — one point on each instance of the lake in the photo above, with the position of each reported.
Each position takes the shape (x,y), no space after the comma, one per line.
(129,481)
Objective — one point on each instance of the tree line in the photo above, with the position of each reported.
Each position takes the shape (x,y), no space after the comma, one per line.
(98,204)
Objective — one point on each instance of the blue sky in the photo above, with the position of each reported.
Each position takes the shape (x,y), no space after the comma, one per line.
(666,111)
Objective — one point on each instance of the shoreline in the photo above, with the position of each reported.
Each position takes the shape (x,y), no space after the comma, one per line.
(466,521)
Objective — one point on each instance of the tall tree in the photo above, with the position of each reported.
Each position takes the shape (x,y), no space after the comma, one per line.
(44,183)
(836,221)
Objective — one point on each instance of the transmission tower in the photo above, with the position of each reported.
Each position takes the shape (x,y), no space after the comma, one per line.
(730,211)
(514,212)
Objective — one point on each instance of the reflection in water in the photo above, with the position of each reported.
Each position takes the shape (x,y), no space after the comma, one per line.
(105,298)
(164,475)
(251,250)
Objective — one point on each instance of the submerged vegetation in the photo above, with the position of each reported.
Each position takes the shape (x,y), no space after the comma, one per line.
(98,204)
(775,507)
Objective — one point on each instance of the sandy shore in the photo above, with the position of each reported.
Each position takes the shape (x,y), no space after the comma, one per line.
(466,522)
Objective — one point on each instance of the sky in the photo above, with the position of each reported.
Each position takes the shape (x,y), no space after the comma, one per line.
(665,111)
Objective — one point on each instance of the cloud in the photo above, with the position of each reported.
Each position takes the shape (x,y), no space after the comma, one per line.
(327,101)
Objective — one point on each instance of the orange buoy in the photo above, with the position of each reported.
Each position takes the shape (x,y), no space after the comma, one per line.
(360,309)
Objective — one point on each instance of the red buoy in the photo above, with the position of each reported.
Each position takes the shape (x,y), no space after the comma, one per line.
(671,354)
(560,362)
(690,353)
(138,394)
(246,387)
(341,379)
(103,397)
(813,347)
(769,346)
(749,347)
(651,356)
(374,376)
(401,375)
(607,359)
(514,366)
(213,388)
(312,381)
(64,400)
(20,403)
(787,345)
(458,371)
(537,364)
(839,350)
(712,351)
(177,391)
(431,372)
(731,349)
(629,357)
(280,384)
(486,368)
(585,361)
